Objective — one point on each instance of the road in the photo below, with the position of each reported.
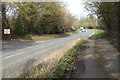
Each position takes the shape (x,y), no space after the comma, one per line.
(20,51)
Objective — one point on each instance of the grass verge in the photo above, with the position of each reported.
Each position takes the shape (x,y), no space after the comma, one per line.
(97,34)
(47,36)
(60,69)
(73,32)
(63,67)
(52,36)
(26,37)
(43,37)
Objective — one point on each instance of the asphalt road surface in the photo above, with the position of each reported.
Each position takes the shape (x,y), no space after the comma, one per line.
(17,50)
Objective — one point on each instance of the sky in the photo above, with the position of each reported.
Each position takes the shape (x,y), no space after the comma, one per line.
(76,8)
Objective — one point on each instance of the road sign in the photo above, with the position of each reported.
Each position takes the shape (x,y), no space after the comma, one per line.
(6,31)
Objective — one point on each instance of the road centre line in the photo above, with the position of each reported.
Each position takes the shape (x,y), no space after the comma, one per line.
(92,33)
(23,52)
(31,47)
(13,55)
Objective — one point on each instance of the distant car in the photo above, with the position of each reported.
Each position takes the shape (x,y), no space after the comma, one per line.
(83,30)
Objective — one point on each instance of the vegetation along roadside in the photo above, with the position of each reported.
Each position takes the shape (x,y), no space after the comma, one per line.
(61,69)
(43,37)
(97,34)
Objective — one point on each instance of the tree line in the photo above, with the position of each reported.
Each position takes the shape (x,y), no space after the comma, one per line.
(37,18)
(89,21)
(108,15)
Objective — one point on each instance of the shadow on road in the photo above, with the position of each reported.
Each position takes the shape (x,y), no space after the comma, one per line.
(12,45)
(100,61)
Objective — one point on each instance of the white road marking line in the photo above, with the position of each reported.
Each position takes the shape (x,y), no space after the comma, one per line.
(12,55)
(92,34)
(39,42)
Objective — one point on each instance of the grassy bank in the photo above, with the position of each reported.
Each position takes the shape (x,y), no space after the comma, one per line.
(72,32)
(64,66)
(60,69)
(97,34)
(45,36)
(52,36)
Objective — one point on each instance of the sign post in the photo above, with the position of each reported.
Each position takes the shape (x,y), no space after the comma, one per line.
(6,34)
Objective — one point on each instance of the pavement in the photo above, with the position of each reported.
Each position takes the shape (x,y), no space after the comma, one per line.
(99,59)
(15,50)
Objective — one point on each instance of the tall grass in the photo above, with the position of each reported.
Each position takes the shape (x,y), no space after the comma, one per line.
(64,64)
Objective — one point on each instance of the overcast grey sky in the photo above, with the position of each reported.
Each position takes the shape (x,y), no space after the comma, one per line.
(76,8)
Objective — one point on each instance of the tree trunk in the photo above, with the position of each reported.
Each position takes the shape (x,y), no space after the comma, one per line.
(5,23)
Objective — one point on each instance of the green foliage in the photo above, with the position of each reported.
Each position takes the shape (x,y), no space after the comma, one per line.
(27,37)
(64,64)
(108,16)
(40,18)
(88,21)
(18,29)
(59,69)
